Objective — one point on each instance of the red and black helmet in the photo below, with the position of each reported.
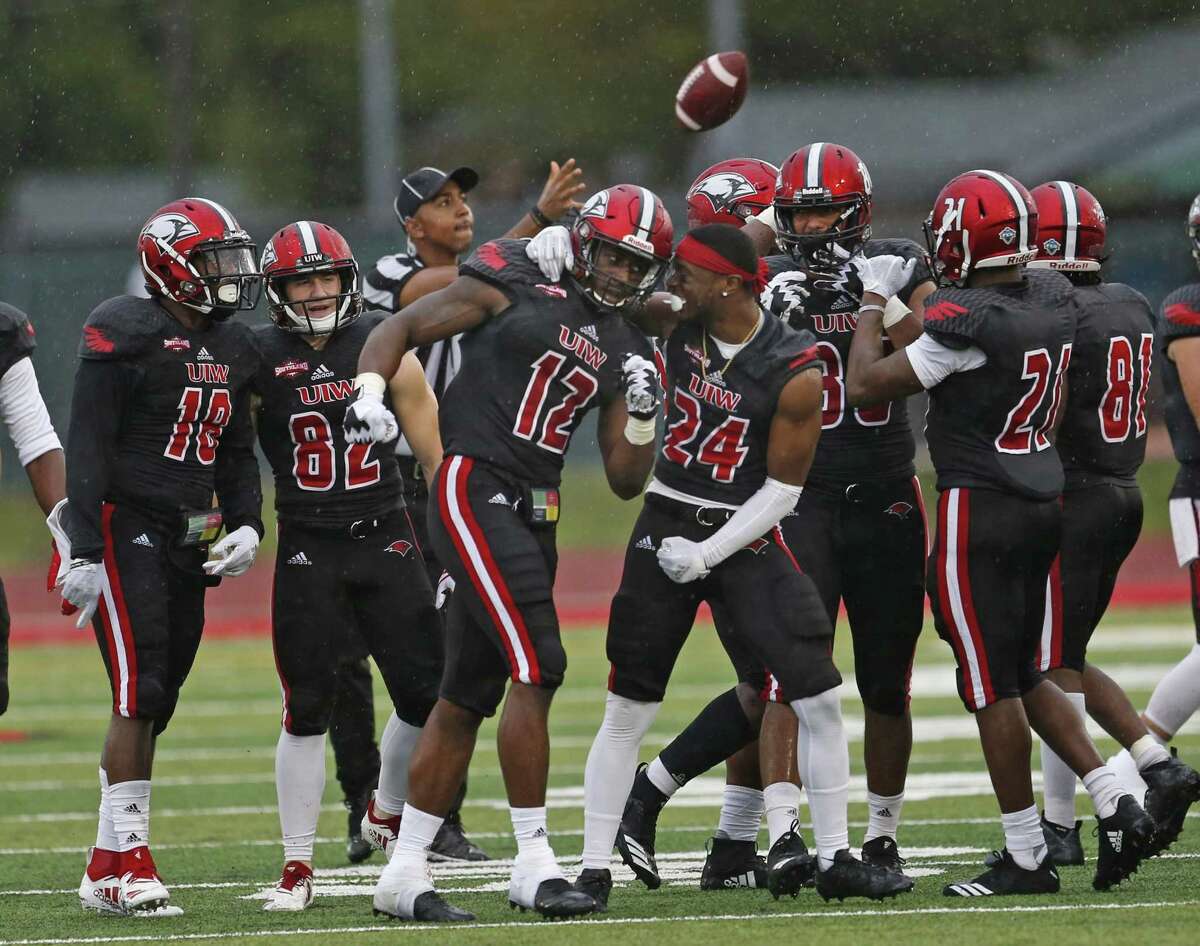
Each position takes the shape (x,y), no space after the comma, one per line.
(304,248)
(731,192)
(981,219)
(1193,228)
(633,221)
(1070,228)
(193,252)
(824,176)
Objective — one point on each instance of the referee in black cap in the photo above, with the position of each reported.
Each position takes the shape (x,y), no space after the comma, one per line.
(432,207)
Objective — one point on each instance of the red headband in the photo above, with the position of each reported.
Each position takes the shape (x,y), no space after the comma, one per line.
(691,250)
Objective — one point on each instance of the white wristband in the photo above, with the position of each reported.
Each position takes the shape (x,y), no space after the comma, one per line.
(371,384)
(894,311)
(639,431)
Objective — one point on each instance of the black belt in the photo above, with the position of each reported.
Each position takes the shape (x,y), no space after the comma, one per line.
(859,493)
(705,515)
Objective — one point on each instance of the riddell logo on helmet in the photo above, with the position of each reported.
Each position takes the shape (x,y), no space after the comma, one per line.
(1070,265)
(638,244)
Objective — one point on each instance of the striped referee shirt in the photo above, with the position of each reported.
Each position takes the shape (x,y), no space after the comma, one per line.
(381,290)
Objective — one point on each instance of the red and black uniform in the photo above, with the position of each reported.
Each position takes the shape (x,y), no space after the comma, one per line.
(1179,317)
(1102,443)
(859,529)
(713,458)
(348,567)
(529,376)
(998,475)
(160,419)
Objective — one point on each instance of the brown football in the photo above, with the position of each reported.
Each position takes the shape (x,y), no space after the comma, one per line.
(713,91)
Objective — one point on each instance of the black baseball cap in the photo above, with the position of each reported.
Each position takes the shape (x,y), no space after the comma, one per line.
(423,185)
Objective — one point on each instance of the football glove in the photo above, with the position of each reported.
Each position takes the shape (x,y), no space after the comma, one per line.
(682,559)
(81,588)
(641,387)
(60,558)
(883,275)
(445,587)
(234,554)
(368,421)
(551,250)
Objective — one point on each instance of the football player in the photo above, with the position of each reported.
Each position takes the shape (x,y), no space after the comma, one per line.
(348,562)
(731,191)
(434,211)
(1177,696)
(996,347)
(1102,442)
(160,419)
(858,531)
(23,412)
(743,418)
(537,357)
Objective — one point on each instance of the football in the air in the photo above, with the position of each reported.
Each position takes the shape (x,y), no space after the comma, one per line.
(713,91)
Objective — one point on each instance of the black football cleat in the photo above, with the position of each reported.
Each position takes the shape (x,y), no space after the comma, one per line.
(429,907)
(554,899)
(731,864)
(358,849)
(452,844)
(882,852)
(789,865)
(1005,879)
(1171,788)
(1063,847)
(635,841)
(597,884)
(1126,838)
(850,877)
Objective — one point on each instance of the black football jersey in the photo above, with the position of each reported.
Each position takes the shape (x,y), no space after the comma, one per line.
(719,422)
(181,394)
(990,427)
(1102,437)
(530,374)
(320,479)
(857,444)
(16,337)
(1179,317)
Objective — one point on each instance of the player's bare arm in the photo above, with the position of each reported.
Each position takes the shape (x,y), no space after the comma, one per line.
(417,413)
(795,429)
(626,465)
(910,326)
(872,377)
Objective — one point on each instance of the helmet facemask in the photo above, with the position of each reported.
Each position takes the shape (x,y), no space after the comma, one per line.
(296,316)
(606,289)
(826,247)
(226,277)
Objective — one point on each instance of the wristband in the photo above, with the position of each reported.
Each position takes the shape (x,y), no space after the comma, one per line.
(535,212)
(871,307)
(639,431)
(894,312)
(370,384)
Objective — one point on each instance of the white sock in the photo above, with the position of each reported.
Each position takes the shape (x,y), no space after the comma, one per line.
(1123,766)
(299,784)
(1024,838)
(608,776)
(395,749)
(661,779)
(1177,695)
(406,874)
(129,803)
(106,835)
(741,813)
(533,841)
(1106,790)
(417,831)
(782,803)
(883,816)
(1058,779)
(823,756)
(1148,751)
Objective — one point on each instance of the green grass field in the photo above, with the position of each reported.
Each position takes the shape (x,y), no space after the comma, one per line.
(216,834)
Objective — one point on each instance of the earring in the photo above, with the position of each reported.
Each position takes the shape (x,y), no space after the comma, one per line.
(724,294)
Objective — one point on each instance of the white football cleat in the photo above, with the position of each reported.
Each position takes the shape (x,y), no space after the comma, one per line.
(294,891)
(378,831)
(403,880)
(100,889)
(142,891)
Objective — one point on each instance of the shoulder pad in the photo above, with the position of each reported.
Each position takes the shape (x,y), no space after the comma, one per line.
(502,263)
(1180,312)
(16,336)
(370,318)
(905,249)
(119,328)
(1048,286)
(952,316)
(1120,292)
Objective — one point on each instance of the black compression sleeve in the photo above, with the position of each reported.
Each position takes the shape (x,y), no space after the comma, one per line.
(239,487)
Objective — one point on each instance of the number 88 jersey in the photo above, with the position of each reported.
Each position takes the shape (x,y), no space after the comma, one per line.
(320,479)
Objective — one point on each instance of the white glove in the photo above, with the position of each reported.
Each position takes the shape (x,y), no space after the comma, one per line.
(551,250)
(234,554)
(62,546)
(641,387)
(82,588)
(682,559)
(883,275)
(368,421)
(445,588)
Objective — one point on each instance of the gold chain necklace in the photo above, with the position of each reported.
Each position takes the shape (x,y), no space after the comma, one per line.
(729,360)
